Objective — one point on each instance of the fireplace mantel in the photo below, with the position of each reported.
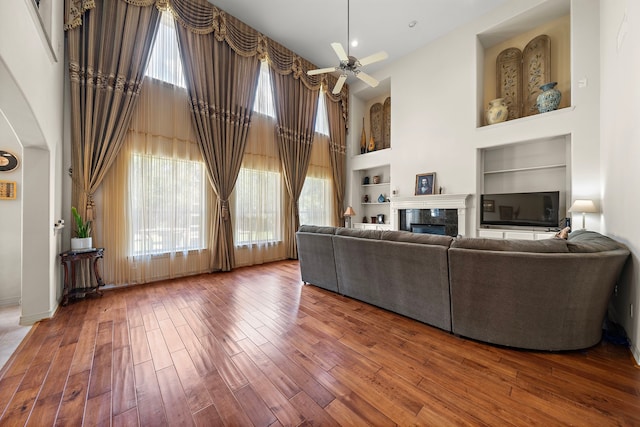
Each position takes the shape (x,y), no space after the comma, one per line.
(432,201)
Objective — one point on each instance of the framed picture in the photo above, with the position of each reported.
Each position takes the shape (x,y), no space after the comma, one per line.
(425,183)
(489,205)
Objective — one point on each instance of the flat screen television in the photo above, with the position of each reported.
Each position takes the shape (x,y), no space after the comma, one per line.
(539,209)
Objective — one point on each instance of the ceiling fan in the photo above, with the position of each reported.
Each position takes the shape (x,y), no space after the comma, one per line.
(349,64)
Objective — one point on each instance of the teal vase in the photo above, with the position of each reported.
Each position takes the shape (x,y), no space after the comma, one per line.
(549,99)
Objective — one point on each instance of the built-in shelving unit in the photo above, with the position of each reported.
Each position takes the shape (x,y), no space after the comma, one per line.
(367,217)
(539,165)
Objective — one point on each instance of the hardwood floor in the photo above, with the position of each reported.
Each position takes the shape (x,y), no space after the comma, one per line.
(256,347)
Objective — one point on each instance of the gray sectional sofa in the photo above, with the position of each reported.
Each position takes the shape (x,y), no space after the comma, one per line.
(544,295)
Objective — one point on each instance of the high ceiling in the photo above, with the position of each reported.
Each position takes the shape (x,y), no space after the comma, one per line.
(308,28)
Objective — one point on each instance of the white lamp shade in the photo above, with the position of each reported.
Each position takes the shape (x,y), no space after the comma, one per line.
(583,206)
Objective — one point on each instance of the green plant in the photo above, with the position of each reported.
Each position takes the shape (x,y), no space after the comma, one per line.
(83,229)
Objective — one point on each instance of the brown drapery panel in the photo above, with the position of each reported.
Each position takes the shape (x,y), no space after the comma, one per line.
(296,108)
(109,47)
(337,150)
(222,87)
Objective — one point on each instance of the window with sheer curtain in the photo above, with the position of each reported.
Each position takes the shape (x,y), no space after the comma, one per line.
(167,201)
(160,169)
(157,195)
(317,198)
(258,195)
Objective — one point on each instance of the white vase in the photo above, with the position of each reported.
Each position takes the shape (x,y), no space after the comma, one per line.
(497,111)
(81,243)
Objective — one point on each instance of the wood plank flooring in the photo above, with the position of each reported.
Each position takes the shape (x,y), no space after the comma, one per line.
(256,347)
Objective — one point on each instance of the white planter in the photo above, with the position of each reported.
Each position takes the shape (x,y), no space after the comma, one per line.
(84,243)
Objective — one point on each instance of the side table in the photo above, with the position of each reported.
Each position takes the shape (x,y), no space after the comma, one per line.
(69,260)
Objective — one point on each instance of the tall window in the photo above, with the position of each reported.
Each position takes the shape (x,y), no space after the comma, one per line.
(258,207)
(258,191)
(165,63)
(167,201)
(316,200)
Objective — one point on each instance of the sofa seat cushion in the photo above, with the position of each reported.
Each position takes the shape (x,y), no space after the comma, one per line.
(512,245)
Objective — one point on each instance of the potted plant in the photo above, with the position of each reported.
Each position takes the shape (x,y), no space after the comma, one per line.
(83,238)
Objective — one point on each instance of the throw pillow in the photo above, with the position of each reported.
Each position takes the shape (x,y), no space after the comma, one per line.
(564,233)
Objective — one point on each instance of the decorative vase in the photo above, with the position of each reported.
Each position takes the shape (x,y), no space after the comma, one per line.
(372,145)
(81,243)
(380,218)
(376,179)
(365,181)
(497,111)
(380,198)
(549,99)
(366,198)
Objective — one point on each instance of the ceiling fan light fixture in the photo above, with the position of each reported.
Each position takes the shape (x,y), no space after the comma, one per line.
(350,64)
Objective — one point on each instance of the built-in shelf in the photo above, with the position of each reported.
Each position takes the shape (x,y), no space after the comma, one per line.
(515,122)
(532,168)
(374,203)
(376,185)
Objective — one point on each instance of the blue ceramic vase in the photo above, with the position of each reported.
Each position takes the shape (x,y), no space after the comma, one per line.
(549,99)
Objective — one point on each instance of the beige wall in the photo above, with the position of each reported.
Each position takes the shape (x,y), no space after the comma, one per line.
(559,32)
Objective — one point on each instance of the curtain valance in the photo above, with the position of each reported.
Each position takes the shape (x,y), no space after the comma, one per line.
(201,17)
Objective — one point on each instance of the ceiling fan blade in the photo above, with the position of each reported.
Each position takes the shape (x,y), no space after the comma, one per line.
(321,71)
(373,58)
(338,87)
(342,55)
(366,78)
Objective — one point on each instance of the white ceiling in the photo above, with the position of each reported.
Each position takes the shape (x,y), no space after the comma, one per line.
(308,28)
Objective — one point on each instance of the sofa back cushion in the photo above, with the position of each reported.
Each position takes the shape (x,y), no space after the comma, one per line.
(512,245)
(584,241)
(358,232)
(408,237)
(317,229)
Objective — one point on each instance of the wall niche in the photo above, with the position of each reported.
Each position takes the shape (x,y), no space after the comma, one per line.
(552,21)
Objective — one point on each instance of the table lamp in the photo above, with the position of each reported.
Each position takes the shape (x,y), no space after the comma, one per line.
(348,214)
(585,206)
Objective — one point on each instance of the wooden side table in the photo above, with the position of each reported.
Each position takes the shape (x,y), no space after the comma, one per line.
(69,260)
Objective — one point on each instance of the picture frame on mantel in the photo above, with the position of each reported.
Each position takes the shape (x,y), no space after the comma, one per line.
(425,183)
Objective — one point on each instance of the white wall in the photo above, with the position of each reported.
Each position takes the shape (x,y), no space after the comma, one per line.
(31,98)
(620,147)
(11,221)
(435,95)
(436,108)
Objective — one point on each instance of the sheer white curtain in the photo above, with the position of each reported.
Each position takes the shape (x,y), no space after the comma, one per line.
(156,197)
(317,198)
(257,199)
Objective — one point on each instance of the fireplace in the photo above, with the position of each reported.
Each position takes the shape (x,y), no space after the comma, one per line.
(436,214)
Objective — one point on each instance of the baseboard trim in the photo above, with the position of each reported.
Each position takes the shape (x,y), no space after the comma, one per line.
(33,318)
(10,301)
